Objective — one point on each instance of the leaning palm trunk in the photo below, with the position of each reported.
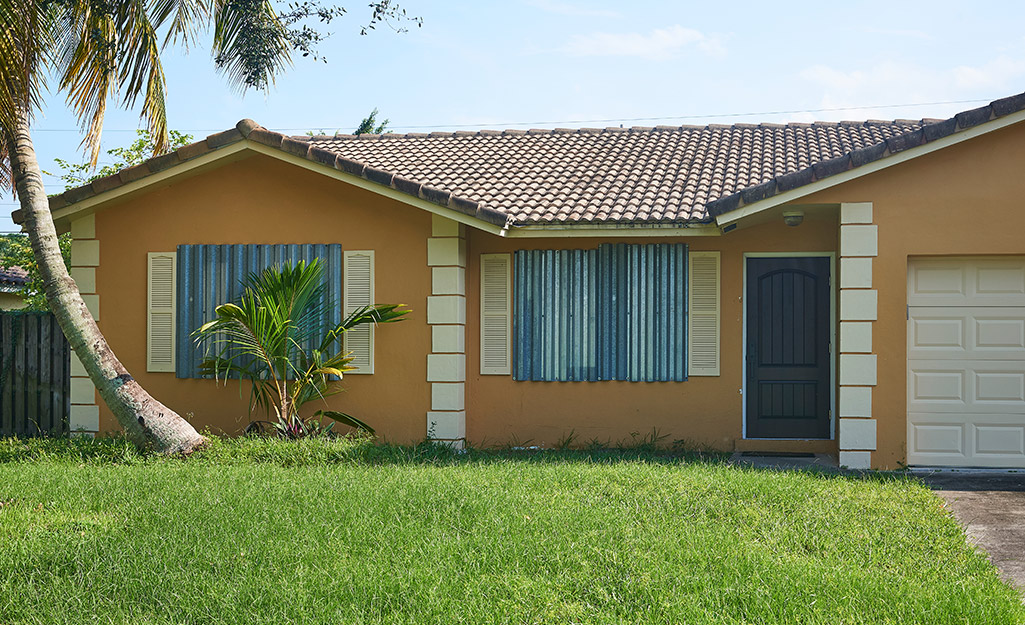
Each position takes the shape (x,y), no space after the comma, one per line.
(145,420)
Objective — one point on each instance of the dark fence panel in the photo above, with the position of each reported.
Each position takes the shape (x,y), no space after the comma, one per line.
(35,375)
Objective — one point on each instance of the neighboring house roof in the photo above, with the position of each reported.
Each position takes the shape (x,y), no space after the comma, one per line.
(686,175)
(12,279)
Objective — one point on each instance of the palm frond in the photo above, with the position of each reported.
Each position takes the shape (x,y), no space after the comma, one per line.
(27,28)
(88,66)
(250,43)
(186,17)
(141,71)
(377,313)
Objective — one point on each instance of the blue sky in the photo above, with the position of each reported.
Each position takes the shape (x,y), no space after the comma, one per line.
(555,63)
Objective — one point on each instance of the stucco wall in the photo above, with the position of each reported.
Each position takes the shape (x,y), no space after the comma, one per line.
(261,200)
(703,410)
(967,199)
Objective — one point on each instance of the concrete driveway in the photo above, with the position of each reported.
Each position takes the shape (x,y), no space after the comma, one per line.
(991,506)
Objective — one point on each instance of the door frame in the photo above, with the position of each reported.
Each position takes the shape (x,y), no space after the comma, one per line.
(833,290)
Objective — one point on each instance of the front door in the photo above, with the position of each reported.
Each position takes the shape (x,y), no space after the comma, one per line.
(788,362)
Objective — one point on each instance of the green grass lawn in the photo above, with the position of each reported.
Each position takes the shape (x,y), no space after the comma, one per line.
(264,532)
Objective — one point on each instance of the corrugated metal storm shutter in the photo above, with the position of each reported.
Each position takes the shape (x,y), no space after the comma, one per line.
(556,315)
(160,295)
(642,315)
(703,317)
(211,275)
(615,313)
(359,292)
(495,317)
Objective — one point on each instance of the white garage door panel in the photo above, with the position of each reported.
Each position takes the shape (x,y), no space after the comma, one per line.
(994,386)
(967,332)
(967,282)
(987,441)
(966,362)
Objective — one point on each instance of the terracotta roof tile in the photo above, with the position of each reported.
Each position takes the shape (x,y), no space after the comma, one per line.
(616,174)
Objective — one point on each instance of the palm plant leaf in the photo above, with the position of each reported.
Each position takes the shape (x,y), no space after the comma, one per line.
(344,419)
(106,48)
(265,338)
(376,313)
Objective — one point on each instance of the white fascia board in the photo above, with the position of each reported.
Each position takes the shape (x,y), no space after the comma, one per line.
(883,163)
(611,230)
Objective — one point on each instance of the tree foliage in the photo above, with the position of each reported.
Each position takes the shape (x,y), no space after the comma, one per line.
(16,251)
(369,125)
(78,174)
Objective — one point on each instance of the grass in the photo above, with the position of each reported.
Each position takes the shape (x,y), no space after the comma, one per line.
(263,531)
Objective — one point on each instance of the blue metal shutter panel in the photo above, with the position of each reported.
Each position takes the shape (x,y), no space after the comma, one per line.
(211,275)
(614,313)
(554,321)
(643,312)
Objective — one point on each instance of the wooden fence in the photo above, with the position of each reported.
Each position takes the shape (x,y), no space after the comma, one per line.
(35,363)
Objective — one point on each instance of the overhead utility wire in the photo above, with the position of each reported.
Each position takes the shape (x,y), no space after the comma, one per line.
(585,121)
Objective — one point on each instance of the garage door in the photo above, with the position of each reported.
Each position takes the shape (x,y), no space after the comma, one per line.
(966,362)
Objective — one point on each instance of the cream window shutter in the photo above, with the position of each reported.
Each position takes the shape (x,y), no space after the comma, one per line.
(496,314)
(358,288)
(703,314)
(160,309)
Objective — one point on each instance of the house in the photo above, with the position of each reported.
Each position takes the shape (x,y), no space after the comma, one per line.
(853,288)
(12,285)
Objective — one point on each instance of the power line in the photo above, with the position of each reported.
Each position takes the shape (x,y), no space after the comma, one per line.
(587,121)
(651,119)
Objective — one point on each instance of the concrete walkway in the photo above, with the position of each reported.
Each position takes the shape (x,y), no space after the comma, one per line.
(991,506)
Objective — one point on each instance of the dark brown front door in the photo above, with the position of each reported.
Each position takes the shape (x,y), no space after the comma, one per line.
(788,330)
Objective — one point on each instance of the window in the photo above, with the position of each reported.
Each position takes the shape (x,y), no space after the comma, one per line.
(210,275)
(618,312)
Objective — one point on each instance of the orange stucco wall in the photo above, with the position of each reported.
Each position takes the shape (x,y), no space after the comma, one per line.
(703,410)
(967,199)
(261,200)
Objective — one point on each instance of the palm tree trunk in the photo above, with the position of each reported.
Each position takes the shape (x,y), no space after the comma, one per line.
(145,420)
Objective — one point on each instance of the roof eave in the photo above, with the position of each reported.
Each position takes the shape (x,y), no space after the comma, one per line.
(248,137)
(791,187)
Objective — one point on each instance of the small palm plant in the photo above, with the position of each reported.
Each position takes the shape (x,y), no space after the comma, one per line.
(276,337)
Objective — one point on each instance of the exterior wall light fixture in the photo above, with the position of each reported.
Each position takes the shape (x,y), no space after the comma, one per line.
(793,218)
